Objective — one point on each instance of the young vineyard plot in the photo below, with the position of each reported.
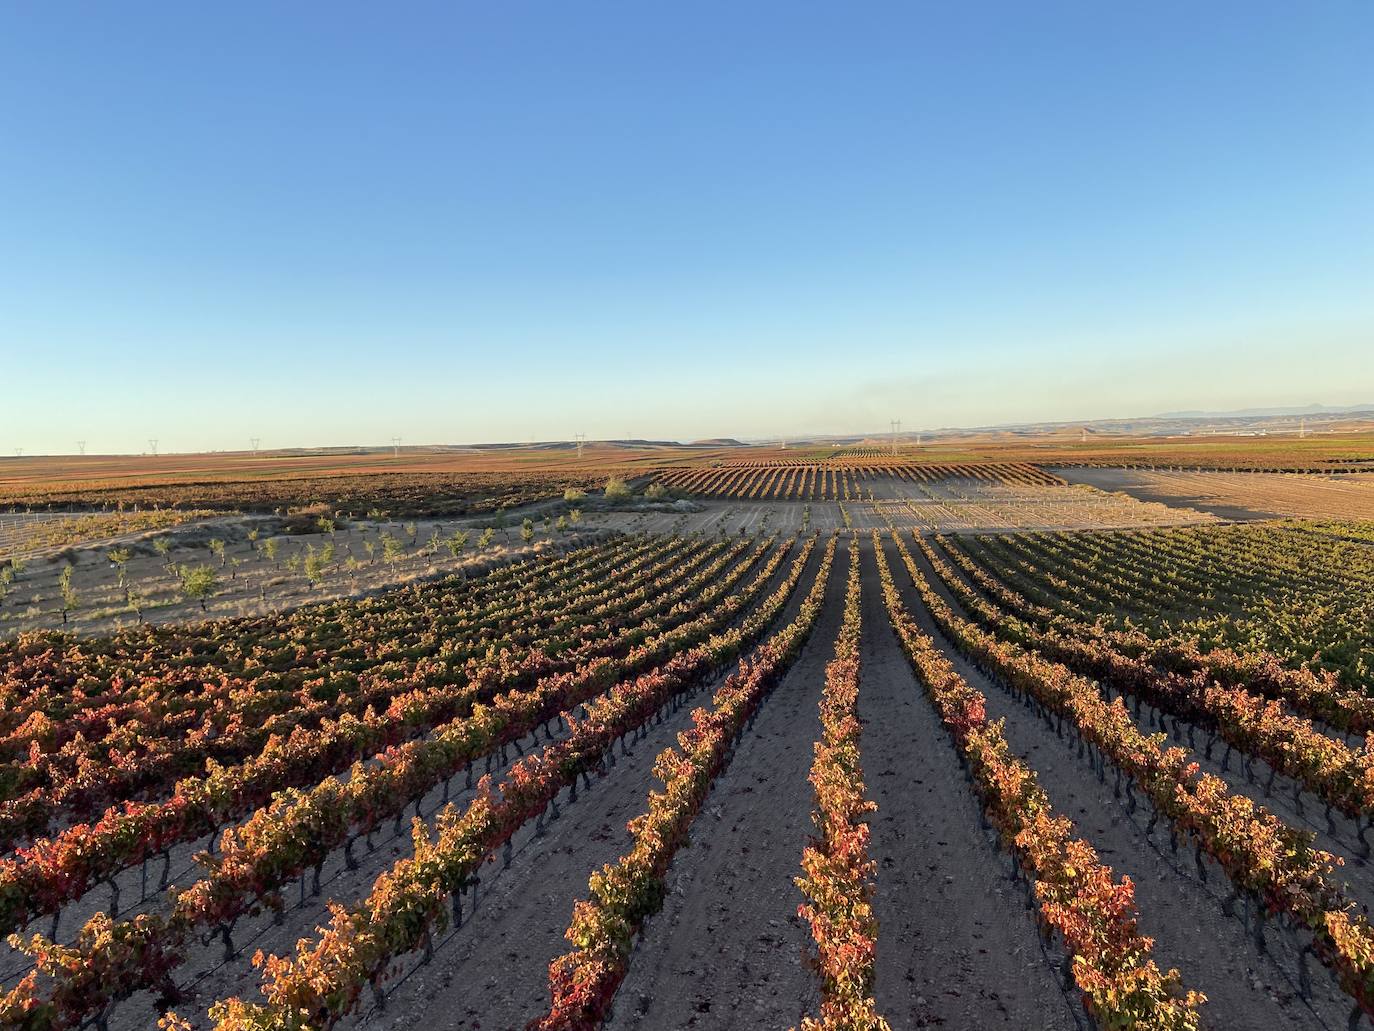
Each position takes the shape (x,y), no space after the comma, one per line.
(854,777)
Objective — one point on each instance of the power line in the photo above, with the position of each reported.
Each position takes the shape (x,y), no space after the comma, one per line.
(152,446)
(580,438)
(80,447)
(896,425)
(396,447)
(256,441)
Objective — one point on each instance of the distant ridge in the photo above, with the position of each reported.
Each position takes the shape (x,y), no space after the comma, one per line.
(1256,413)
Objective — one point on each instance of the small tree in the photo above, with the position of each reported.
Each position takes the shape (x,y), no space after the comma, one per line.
(411,530)
(69,599)
(217,549)
(315,564)
(197,583)
(457,542)
(432,546)
(527,531)
(617,490)
(392,550)
(573,495)
(371,549)
(6,578)
(253,536)
(272,548)
(120,558)
(562,524)
(486,537)
(135,601)
(326,525)
(163,546)
(575,516)
(656,492)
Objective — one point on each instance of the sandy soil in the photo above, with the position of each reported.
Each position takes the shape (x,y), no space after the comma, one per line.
(727,950)
(250,582)
(494,972)
(1241,495)
(1248,989)
(957,947)
(1335,833)
(491,972)
(950,506)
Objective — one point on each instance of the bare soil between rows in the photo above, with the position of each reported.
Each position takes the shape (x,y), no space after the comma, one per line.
(958,946)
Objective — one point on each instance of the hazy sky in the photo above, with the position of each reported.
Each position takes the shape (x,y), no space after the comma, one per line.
(336,223)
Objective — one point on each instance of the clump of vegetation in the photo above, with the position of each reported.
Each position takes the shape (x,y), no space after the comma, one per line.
(197,583)
(311,519)
(617,490)
(574,495)
(316,562)
(69,598)
(119,558)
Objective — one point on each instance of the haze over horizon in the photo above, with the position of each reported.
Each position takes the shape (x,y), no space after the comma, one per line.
(333,226)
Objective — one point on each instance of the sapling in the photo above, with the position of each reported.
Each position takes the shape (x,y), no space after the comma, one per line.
(119,557)
(197,583)
(69,599)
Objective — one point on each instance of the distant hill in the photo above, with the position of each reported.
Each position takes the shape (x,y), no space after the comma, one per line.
(1258,413)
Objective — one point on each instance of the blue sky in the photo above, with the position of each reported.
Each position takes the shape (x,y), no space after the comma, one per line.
(336,223)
